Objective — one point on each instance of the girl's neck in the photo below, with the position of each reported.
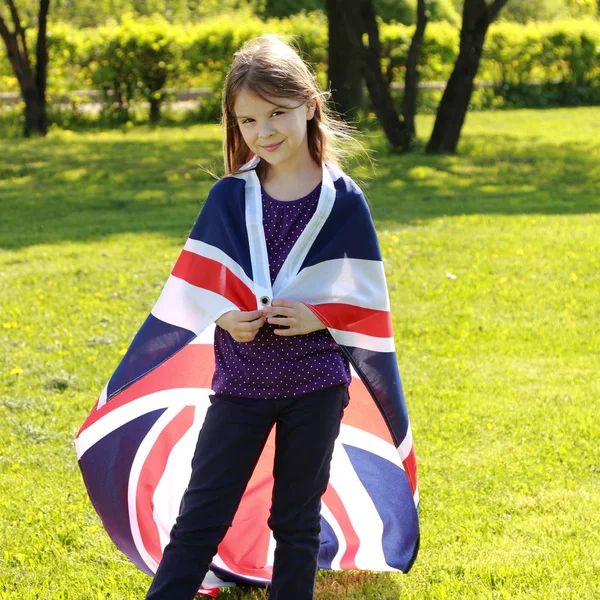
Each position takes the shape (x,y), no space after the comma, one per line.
(285,183)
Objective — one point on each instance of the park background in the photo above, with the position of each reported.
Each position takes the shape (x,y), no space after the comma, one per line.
(491,254)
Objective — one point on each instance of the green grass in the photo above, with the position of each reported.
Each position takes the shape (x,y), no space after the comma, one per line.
(493,266)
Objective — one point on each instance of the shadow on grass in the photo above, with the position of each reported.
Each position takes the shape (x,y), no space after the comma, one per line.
(499,175)
(86,187)
(80,188)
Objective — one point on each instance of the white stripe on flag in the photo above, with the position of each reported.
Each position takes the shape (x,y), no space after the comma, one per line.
(118,417)
(141,455)
(205,337)
(354,281)
(211,581)
(300,249)
(406,444)
(271,550)
(362,512)
(103,396)
(173,483)
(360,340)
(352,436)
(185,305)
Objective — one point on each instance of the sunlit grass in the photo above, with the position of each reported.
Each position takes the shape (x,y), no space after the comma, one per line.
(492,258)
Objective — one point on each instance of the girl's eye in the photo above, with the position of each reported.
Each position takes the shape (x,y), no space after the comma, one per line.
(277,112)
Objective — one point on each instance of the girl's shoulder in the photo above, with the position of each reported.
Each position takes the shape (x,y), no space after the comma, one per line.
(226,186)
(343,183)
(347,192)
(228,192)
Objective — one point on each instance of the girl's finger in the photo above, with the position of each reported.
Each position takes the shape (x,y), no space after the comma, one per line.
(284,303)
(251,326)
(282,321)
(286,332)
(281,310)
(251,315)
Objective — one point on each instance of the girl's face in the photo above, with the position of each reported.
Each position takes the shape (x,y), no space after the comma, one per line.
(273,133)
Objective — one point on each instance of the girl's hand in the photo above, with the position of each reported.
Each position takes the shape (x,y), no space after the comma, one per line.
(295,315)
(242,325)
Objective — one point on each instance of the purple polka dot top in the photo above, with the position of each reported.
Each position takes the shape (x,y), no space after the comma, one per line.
(272,366)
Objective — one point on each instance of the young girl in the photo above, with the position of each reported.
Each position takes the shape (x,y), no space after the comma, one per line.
(284,259)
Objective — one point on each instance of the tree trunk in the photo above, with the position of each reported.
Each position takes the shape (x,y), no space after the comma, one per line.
(477,17)
(411,80)
(32,82)
(345,56)
(155,110)
(376,82)
(41,72)
(36,120)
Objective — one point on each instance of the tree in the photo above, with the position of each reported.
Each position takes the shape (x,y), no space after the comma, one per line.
(32,78)
(477,17)
(345,58)
(139,57)
(377,85)
(411,80)
(351,61)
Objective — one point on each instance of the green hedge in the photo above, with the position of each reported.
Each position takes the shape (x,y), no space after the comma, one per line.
(139,57)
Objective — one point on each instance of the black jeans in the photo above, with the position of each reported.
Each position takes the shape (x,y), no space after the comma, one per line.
(229,445)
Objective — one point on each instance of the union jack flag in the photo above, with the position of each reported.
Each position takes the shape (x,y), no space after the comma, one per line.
(136,445)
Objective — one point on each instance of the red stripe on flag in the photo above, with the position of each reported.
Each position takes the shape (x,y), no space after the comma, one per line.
(363,413)
(150,475)
(211,593)
(346,317)
(336,506)
(245,547)
(215,277)
(410,466)
(191,367)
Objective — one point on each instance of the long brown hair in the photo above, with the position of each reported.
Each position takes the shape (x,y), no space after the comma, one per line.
(268,66)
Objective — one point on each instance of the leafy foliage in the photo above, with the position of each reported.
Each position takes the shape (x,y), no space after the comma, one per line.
(405,11)
(524,11)
(91,13)
(140,57)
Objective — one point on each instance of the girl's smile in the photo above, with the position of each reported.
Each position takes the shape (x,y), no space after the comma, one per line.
(273,147)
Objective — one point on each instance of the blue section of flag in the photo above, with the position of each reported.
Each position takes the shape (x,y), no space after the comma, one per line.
(222,222)
(380,371)
(348,231)
(154,343)
(388,487)
(105,468)
(329,545)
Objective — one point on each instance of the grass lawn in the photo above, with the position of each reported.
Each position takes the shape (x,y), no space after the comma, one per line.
(493,262)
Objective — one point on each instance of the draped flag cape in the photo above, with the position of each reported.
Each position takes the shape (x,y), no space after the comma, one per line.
(136,445)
